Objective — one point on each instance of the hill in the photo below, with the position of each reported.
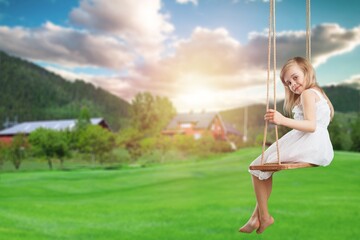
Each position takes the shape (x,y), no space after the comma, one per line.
(345,98)
(29,92)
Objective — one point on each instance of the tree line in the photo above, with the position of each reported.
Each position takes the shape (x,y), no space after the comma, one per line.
(141,140)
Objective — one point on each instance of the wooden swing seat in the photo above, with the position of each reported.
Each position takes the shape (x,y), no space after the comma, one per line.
(273,167)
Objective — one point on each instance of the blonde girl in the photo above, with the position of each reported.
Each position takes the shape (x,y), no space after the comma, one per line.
(308,142)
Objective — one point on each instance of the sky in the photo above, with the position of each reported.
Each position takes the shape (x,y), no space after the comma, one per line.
(202,54)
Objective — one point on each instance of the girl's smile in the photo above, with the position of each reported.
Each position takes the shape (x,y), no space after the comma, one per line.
(294,79)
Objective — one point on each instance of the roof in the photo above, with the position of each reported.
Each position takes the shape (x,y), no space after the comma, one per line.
(230,129)
(201,120)
(28,127)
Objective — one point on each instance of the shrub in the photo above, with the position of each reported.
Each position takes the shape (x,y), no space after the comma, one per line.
(96,141)
(49,143)
(17,150)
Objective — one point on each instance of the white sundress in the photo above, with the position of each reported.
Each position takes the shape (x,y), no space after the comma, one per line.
(298,146)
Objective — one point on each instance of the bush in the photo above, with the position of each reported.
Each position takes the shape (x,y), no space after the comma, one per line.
(4,152)
(184,143)
(96,141)
(151,157)
(355,134)
(122,155)
(129,139)
(339,135)
(49,143)
(160,157)
(147,145)
(222,147)
(18,148)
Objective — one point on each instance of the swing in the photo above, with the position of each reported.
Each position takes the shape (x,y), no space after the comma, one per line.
(273,167)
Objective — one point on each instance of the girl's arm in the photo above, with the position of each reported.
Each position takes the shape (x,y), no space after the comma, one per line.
(308,101)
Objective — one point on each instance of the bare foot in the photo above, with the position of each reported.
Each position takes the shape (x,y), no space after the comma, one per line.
(264,223)
(250,226)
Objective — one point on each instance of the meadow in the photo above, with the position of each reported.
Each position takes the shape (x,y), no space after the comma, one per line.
(204,199)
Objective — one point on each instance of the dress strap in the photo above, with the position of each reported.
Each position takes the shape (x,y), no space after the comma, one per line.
(317,93)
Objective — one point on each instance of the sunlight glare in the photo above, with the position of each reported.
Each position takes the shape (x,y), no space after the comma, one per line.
(198,98)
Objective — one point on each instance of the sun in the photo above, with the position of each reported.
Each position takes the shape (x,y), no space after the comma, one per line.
(196,92)
(197,98)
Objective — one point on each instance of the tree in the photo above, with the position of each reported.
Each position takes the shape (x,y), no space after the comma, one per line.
(17,149)
(355,135)
(4,149)
(50,143)
(83,120)
(164,144)
(151,114)
(185,143)
(96,141)
(130,138)
(165,111)
(335,134)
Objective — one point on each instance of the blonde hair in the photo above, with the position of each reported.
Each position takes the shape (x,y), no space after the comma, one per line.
(292,99)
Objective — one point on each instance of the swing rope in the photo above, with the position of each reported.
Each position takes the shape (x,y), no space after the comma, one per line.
(272,34)
(272,50)
(308,31)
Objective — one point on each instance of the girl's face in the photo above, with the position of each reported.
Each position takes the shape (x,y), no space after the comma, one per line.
(294,79)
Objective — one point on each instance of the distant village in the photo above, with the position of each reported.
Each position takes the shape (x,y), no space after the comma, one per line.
(191,124)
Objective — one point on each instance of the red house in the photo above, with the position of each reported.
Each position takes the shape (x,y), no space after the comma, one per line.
(26,128)
(197,124)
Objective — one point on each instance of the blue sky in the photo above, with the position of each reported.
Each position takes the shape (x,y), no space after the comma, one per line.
(202,54)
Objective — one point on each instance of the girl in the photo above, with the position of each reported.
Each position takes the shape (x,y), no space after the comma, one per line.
(308,141)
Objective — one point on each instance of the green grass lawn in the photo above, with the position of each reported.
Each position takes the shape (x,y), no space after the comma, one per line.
(208,199)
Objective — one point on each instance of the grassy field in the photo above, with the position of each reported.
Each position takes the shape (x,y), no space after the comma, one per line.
(207,199)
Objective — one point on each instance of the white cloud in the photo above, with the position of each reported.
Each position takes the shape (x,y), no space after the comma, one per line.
(195,2)
(139,24)
(220,59)
(213,61)
(354,80)
(328,40)
(208,51)
(223,72)
(65,46)
(112,34)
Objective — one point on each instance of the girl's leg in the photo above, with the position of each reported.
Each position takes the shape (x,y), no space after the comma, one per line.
(268,183)
(262,191)
(254,221)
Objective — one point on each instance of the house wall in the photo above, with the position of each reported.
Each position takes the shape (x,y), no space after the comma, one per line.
(216,130)
(6,139)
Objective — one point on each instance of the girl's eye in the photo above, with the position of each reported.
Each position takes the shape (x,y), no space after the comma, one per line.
(295,77)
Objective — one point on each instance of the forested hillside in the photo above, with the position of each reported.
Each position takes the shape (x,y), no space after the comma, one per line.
(30,92)
(345,98)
